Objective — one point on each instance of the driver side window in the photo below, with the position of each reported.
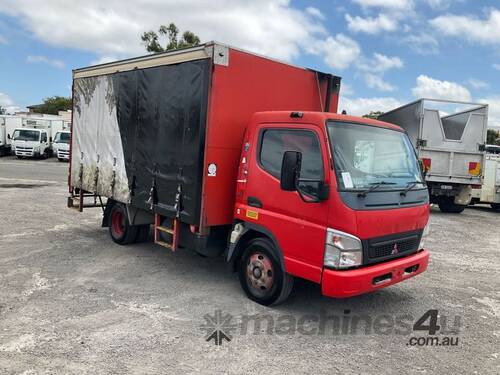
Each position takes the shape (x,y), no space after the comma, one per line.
(44,137)
(274,143)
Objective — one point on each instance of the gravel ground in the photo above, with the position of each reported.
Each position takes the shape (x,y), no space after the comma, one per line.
(72,301)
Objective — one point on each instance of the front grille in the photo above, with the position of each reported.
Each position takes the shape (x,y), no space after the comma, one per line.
(24,149)
(396,247)
(393,246)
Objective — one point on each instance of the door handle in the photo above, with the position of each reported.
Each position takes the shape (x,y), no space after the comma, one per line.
(254,202)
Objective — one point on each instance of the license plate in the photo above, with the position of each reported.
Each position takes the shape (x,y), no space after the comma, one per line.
(446,187)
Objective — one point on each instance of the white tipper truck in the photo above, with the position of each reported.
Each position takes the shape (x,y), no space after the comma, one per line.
(449,138)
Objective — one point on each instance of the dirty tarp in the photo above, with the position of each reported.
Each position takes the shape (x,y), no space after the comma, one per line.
(140,128)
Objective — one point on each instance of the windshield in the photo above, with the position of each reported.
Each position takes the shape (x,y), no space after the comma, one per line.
(365,156)
(26,135)
(62,138)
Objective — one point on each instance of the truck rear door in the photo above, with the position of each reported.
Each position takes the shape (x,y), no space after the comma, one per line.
(451,144)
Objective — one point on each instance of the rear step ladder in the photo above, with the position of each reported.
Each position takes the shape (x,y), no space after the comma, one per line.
(173,232)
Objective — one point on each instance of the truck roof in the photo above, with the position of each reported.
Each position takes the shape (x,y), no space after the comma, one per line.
(320,117)
(211,49)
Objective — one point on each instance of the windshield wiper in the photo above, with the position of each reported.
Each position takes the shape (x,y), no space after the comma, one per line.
(410,185)
(374,185)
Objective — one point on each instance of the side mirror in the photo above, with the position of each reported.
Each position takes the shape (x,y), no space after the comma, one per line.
(50,139)
(290,170)
(8,136)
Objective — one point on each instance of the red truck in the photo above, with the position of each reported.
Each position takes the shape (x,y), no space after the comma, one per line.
(229,153)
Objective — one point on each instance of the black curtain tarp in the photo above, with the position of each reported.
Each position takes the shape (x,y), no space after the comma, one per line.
(161,113)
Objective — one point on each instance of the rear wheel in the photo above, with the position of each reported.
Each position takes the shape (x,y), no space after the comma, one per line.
(119,227)
(495,206)
(447,204)
(261,275)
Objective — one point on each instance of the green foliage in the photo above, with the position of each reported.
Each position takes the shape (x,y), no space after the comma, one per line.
(2,110)
(151,39)
(54,104)
(493,137)
(373,114)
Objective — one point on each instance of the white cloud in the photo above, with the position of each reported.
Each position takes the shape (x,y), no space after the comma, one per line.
(376,82)
(380,63)
(423,44)
(270,27)
(374,69)
(431,88)
(7,103)
(362,106)
(496,66)
(389,4)
(371,25)
(103,60)
(477,84)
(338,52)
(473,29)
(493,111)
(45,60)
(315,12)
(3,40)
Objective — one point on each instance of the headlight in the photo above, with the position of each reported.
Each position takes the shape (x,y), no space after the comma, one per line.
(425,234)
(342,250)
(36,148)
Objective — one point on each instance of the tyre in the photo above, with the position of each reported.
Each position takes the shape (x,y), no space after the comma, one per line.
(19,156)
(261,275)
(495,206)
(143,233)
(120,229)
(447,204)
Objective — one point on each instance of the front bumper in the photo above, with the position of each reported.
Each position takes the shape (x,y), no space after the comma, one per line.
(367,279)
(63,154)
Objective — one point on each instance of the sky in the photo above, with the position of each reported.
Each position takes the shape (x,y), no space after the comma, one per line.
(388,52)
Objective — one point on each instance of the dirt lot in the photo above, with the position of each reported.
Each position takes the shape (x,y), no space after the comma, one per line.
(72,301)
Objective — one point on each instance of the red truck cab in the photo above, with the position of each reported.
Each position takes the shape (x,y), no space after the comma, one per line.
(334,199)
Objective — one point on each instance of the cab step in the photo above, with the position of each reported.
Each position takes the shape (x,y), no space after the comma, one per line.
(172,231)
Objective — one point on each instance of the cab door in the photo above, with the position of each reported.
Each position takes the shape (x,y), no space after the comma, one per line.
(299,227)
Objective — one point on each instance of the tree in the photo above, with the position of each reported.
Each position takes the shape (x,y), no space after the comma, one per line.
(151,39)
(373,114)
(2,110)
(493,137)
(54,104)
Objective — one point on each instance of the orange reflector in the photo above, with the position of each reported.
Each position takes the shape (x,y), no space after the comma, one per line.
(427,164)
(474,168)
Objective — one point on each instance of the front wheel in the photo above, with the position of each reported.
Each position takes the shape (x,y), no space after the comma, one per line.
(495,206)
(261,275)
(120,229)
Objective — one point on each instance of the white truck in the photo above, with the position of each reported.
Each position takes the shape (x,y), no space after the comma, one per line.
(34,137)
(489,192)
(449,138)
(60,145)
(7,126)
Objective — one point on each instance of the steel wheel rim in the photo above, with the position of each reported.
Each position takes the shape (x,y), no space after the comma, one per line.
(260,273)
(118,223)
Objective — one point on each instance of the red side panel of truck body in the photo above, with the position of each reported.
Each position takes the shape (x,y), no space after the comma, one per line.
(248,84)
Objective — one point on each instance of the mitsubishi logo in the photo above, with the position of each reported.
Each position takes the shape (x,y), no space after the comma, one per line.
(395,249)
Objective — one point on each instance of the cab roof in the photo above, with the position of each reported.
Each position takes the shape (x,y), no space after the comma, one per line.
(318,117)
